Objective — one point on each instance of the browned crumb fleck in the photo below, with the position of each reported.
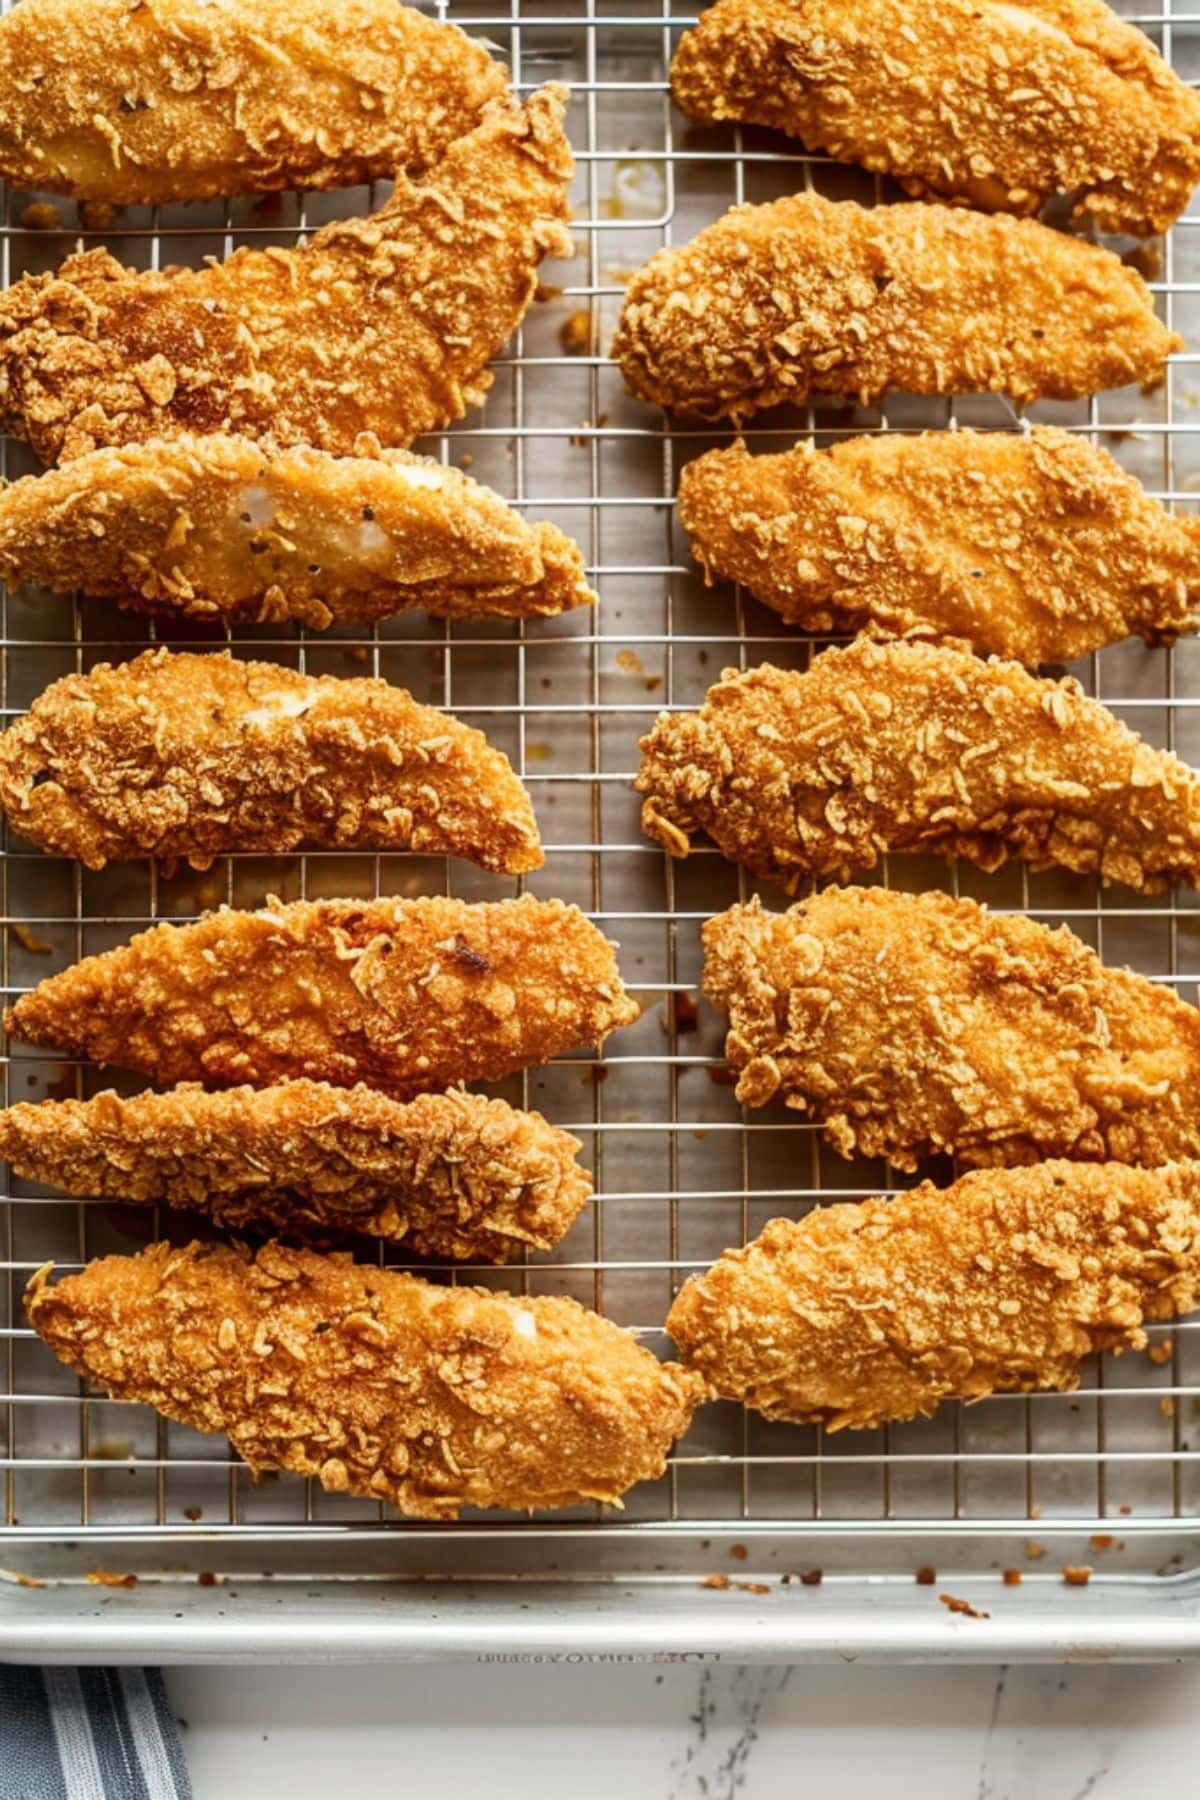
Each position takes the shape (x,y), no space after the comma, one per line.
(962,1606)
(1035,1511)
(206,1578)
(1162,1351)
(466,460)
(596,1074)
(111,1578)
(1033,1551)
(29,940)
(652,683)
(577,334)
(1147,259)
(97,215)
(812,1577)
(740,1551)
(537,751)
(19,1578)
(1012,1577)
(1166,1406)
(1125,1510)
(41,215)
(719,1582)
(753,1587)
(684,1013)
(1077,1574)
(926,1576)
(194,1513)
(630,662)
(1101,1540)
(721,1075)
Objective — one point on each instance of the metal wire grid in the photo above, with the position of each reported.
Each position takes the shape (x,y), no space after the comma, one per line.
(679,1172)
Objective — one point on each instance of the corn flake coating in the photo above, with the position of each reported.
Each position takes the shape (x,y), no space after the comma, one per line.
(382,324)
(805,296)
(179,755)
(1033,545)
(377,1383)
(227,529)
(186,99)
(913,1025)
(997,105)
(407,995)
(920,748)
(1000,1284)
(445,1175)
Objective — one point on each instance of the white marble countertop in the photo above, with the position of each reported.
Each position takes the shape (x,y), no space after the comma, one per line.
(692,1733)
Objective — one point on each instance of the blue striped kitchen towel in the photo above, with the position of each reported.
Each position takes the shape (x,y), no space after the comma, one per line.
(88,1734)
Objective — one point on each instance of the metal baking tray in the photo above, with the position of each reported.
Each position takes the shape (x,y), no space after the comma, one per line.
(1108,1476)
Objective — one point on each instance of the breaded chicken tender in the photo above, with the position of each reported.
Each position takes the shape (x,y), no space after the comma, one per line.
(227,529)
(917,748)
(445,1175)
(1032,545)
(377,1383)
(408,995)
(994,103)
(141,101)
(178,755)
(1001,1284)
(382,325)
(776,303)
(914,1025)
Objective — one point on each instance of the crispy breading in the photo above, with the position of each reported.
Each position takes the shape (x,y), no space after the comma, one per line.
(186,99)
(377,1383)
(229,529)
(997,105)
(919,748)
(445,1175)
(179,755)
(382,324)
(804,296)
(1034,545)
(913,1025)
(407,995)
(1002,1283)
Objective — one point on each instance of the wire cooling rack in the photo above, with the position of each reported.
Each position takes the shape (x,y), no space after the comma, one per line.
(680,1172)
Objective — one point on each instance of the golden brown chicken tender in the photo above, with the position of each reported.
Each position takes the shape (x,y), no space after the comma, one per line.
(383,324)
(228,529)
(1001,1284)
(914,747)
(914,1025)
(407,995)
(185,99)
(445,1175)
(1033,545)
(177,755)
(377,1383)
(1001,105)
(806,296)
